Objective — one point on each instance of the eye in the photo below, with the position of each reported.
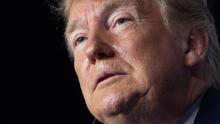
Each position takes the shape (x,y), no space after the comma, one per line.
(79,40)
(121,21)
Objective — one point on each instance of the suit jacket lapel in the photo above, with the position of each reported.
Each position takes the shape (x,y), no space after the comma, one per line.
(209,111)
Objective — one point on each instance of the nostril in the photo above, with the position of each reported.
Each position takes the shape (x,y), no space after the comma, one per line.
(105,54)
(101,55)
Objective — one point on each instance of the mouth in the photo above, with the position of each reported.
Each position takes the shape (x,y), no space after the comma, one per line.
(107,75)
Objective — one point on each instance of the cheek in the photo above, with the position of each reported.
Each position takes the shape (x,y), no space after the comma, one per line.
(138,44)
(139,49)
(138,52)
(80,67)
(150,56)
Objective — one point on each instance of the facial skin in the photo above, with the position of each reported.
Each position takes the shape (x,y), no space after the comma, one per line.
(128,63)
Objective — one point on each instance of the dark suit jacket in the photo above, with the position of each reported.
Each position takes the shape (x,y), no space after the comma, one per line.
(209,111)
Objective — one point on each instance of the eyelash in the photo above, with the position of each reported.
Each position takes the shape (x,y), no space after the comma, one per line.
(117,21)
(79,40)
(121,19)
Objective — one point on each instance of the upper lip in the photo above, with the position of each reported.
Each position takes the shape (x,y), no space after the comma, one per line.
(107,74)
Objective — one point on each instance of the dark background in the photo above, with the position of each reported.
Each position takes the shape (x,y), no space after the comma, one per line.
(51,92)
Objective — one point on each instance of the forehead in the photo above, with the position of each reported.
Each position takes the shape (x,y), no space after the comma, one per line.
(103,2)
(94,5)
(82,5)
(80,8)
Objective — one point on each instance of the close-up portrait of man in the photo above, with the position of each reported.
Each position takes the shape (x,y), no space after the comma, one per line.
(145,61)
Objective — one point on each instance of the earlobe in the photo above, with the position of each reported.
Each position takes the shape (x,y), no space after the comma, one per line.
(191,58)
(197,47)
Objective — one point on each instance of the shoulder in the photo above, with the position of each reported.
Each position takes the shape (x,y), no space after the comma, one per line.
(209,111)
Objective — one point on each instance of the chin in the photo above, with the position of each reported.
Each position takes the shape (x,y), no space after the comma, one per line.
(114,104)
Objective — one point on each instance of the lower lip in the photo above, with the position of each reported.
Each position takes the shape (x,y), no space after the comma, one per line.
(110,80)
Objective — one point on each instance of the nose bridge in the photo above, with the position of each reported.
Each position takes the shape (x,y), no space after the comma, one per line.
(95,23)
(95,34)
(98,46)
(96,30)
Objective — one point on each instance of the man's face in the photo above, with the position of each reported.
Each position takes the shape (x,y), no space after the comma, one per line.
(124,56)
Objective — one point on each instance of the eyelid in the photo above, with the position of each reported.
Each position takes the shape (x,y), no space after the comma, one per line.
(74,34)
(77,36)
(118,16)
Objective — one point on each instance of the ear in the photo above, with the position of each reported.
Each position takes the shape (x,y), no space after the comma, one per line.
(197,47)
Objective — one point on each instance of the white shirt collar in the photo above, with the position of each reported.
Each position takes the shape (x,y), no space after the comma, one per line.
(190,115)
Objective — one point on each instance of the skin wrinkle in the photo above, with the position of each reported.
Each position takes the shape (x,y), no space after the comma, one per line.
(176,6)
(156,79)
(122,4)
(112,6)
(74,24)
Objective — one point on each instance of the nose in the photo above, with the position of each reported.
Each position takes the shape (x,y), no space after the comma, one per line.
(99,47)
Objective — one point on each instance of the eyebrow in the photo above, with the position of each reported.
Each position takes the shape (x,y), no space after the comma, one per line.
(108,7)
(71,26)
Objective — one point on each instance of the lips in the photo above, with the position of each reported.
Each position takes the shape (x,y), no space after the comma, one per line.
(106,75)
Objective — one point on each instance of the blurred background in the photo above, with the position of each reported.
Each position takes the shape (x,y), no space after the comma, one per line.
(56,97)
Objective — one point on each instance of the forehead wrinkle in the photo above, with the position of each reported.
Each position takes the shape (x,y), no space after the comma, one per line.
(101,7)
(107,7)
